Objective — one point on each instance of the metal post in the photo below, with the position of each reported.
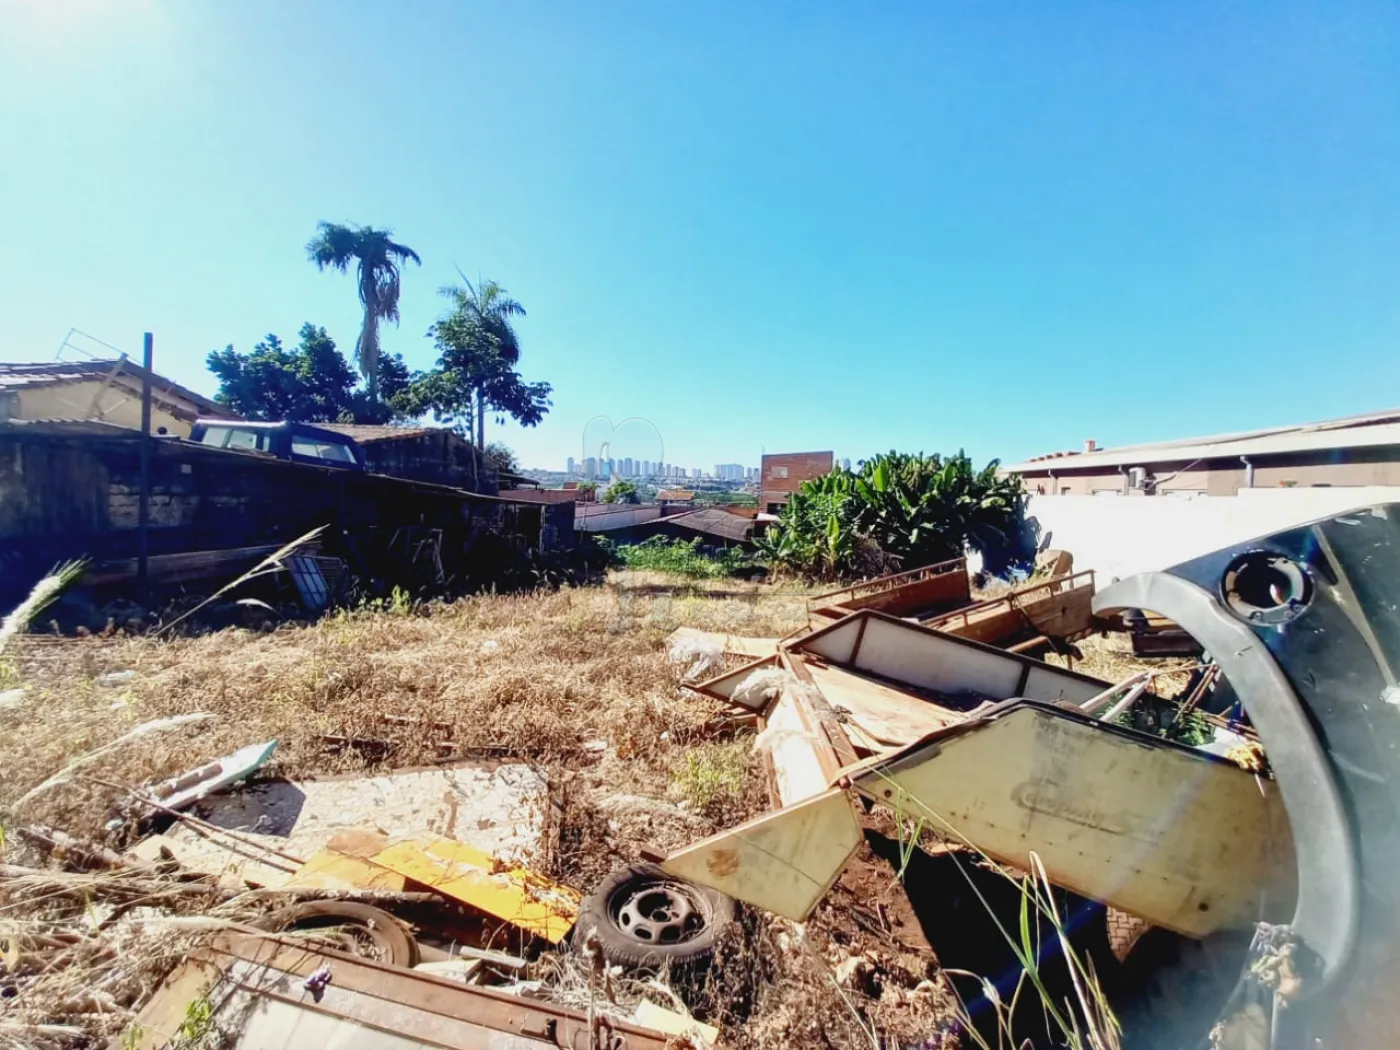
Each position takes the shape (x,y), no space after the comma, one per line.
(143,542)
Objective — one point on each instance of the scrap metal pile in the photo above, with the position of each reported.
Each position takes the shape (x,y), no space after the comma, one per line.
(405,907)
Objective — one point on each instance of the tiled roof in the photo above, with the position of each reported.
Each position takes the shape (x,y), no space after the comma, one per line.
(542,495)
(365,433)
(47,373)
(70,428)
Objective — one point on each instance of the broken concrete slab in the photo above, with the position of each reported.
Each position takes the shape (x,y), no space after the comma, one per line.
(504,811)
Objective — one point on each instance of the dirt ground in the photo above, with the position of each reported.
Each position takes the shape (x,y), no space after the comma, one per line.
(576,681)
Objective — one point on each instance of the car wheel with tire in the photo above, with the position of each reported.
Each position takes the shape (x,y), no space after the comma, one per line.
(357,929)
(644,918)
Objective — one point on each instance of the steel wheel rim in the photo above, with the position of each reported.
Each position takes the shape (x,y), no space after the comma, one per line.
(659,914)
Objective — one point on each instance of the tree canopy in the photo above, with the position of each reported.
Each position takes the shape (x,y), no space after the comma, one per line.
(477,354)
(379,260)
(621,492)
(902,509)
(312,382)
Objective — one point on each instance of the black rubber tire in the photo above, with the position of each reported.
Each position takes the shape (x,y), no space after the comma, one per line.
(389,935)
(608,912)
(1173,988)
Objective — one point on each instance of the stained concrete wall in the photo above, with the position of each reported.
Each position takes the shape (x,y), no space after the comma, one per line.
(92,399)
(1118,536)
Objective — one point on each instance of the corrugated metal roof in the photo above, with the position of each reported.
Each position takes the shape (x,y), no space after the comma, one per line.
(714,523)
(1369,431)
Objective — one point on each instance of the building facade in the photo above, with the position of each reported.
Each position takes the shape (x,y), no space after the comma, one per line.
(1351,452)
(102,392)
(782,473)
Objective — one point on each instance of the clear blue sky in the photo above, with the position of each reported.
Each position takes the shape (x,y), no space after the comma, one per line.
(1004,226)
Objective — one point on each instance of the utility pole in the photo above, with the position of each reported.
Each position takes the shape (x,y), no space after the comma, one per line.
(143,527)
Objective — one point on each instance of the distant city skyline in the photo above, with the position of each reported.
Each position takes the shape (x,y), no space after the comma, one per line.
(595,468)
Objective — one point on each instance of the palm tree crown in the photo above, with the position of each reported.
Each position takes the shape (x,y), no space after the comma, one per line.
(487,311)
(379,259)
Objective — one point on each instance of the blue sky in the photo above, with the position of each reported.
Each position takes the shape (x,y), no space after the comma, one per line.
(1006,227)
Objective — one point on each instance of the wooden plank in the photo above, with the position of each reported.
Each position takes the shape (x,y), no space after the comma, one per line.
(881,712)
(1163,832)
(792,745)
(649,1015)
(783,862)
(464,873)
(843,754)
(230,862)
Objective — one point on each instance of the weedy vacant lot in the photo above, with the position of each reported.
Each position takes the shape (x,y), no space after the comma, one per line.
(576,681)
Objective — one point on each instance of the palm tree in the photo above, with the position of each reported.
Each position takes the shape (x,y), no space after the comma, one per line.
(486,311)
(379,260)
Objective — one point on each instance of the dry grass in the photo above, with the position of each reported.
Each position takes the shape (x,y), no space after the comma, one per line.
(532,677)
(1111,658)
(537,677)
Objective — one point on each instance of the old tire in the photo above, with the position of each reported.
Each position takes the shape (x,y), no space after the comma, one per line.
(391,941)
(646,919)
(1174,987)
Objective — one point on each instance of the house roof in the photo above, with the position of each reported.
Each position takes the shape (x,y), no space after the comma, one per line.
(1365,431)
(50,373)
(712,522)
(365,433)
(544,495)
(675,495)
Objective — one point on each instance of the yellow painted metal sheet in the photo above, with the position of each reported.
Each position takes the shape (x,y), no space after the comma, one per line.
(1184,841)
(517,895)
(784,861)
(329,870)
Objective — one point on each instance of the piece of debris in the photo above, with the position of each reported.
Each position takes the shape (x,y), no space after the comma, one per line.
(502,810)
(115,678)
(181,791)
(317,981)
(697,655)
(695,640)
(515,894)
(453,969)
(673,1023)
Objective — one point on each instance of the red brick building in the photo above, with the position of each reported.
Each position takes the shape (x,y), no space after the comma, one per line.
(783,472)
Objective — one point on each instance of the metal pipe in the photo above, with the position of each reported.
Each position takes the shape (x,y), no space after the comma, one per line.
(1248,472)
(1127,702)
(143,526)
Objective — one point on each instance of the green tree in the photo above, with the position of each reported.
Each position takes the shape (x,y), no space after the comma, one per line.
(379,259)
(477,354)
(915,508)
(311,383)
(502,457)
(621,492)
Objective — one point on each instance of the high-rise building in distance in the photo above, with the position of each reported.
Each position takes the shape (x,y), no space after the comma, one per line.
(569,465)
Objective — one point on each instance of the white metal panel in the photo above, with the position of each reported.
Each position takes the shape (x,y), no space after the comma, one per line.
(929,661)
(1046,683)
(834,644)
(1180,839)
